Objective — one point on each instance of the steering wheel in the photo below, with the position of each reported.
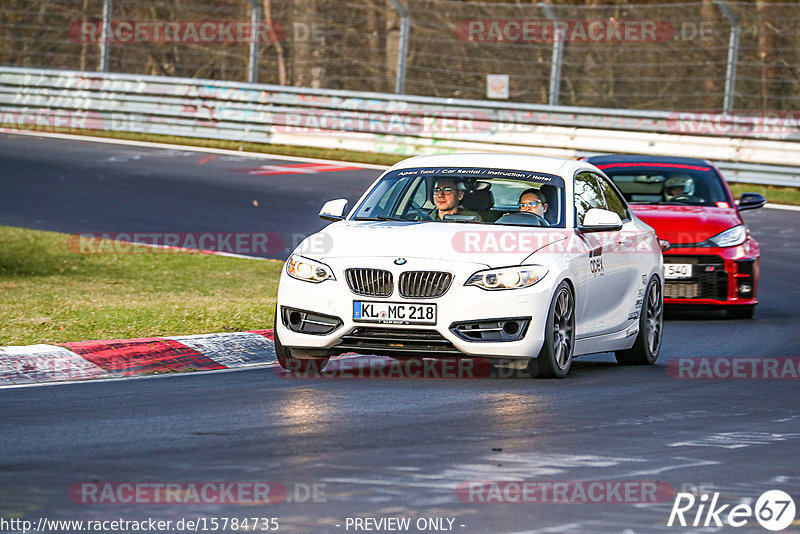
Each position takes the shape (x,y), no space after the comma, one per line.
(686,198)
(523,218)
(422,215)
(541,220)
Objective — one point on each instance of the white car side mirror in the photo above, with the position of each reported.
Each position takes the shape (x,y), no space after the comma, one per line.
(334,210)
(599,220)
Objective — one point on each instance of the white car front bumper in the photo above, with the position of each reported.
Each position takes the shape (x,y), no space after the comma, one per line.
(333,298)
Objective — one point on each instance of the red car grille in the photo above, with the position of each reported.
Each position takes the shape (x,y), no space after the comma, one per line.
(709,279)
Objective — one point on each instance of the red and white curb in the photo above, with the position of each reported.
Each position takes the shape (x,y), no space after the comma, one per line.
(88,360)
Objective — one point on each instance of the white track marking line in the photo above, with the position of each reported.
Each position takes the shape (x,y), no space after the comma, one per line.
(207,150)
(189,148)
(785,207)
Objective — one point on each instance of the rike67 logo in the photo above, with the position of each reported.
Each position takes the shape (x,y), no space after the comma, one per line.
(774,510)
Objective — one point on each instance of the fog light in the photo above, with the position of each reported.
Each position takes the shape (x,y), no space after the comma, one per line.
(505,329)
(745,290)
(510,328)
(308,322)
(294,318)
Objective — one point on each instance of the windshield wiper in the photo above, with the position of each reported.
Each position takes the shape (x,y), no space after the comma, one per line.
(378,218)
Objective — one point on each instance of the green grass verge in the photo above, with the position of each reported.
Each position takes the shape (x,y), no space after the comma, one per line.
(51,294)
(773,193)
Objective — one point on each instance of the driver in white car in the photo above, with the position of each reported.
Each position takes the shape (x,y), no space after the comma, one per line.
(447,194)
(532,201)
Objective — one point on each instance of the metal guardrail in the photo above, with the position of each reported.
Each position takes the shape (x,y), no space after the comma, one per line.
(747,149)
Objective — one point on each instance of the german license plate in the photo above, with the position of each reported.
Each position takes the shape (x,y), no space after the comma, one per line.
(393,312)
(674,271)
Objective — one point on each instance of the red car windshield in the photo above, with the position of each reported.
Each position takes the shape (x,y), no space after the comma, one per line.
(653,183)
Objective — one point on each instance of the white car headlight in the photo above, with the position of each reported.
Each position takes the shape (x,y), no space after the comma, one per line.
(508,277)
(308,270)
(730,237)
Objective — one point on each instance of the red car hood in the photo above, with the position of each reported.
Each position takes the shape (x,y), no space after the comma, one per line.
(686,224)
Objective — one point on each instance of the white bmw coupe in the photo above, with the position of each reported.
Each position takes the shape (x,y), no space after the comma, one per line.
(524,261)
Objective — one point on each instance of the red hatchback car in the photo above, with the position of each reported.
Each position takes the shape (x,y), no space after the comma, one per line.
(710,259)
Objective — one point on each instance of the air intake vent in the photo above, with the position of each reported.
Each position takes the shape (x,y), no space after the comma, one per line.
(424,284)
(370,282)
(396,341)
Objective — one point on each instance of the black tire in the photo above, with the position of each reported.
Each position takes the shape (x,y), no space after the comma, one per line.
(741,312)
(555,358)
(289,362)
(647,346)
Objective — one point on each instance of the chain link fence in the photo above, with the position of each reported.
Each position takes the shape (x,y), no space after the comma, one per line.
(709,55)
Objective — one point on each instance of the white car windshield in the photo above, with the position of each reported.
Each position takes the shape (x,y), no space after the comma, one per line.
(472,195)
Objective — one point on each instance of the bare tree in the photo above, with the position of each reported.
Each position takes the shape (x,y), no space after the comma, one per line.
(276,42)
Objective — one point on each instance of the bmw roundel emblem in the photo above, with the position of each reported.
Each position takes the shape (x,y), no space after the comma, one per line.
(400,261)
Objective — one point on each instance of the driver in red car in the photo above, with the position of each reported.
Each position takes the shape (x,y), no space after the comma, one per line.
(678,185)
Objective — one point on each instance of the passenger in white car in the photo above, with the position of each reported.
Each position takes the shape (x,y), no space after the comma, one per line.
(532,201)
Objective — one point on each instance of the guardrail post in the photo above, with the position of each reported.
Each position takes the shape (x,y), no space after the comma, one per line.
(558,51)
(402,47)
(733,54)
(105,38)
(255,20)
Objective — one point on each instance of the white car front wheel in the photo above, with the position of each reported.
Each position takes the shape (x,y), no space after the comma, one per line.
(555,357)
(289,362)
(651,323)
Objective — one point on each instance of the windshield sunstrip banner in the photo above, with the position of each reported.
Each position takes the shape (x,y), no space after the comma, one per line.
(466,173)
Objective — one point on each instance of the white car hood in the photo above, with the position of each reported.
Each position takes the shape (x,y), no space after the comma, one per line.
(485,245)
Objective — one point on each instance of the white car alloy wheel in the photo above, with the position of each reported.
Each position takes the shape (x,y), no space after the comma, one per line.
(555,358)
(647,346)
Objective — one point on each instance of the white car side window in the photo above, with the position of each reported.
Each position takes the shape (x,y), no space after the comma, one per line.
(613,201)
(587,196)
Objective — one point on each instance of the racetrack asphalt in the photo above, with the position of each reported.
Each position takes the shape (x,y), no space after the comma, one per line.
(78,186)
(381,447)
